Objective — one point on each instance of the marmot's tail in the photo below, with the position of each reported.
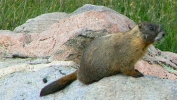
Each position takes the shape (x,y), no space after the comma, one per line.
(59,84)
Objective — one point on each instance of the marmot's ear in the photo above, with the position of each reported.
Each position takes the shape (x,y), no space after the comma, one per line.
(140,25)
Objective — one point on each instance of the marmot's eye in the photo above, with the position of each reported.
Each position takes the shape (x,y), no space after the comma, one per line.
(151,28)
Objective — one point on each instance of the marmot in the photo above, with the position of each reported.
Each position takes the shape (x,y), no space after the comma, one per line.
(111,54)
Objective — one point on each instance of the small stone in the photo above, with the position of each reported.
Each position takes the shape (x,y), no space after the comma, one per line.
(44,80)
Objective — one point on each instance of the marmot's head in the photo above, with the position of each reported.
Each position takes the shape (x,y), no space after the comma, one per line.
(151,32)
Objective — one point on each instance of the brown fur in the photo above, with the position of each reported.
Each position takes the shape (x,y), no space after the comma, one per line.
(112,54)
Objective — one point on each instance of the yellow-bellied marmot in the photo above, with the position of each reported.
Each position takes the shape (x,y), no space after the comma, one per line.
(111,54)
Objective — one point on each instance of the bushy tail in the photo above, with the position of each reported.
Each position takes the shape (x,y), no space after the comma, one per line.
(59,84)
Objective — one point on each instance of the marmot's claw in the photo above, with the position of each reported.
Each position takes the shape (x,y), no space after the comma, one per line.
(139,74)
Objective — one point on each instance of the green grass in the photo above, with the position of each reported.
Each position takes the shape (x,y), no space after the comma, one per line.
(164,12)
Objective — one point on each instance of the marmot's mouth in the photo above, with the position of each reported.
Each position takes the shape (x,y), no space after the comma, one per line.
(160,36)
(157,40)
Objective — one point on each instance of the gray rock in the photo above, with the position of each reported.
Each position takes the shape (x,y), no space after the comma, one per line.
(90,7)
(121,87)
(27,85)
(6,62)
(40,23)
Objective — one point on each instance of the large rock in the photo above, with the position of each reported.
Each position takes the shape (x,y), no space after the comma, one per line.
(27,84)
(159,64)
(66,37)
(60,36)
